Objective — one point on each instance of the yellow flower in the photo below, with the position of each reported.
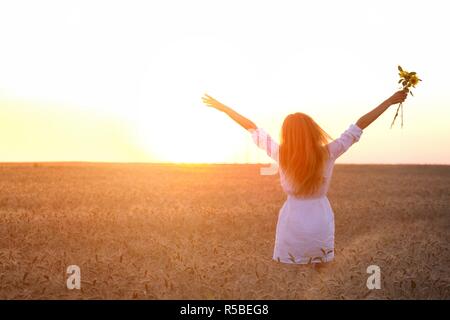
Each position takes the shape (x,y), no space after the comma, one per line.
(414,80)
(407,80)
(403,74)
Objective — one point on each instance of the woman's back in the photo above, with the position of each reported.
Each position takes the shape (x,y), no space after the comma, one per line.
(335,149)
(305,227)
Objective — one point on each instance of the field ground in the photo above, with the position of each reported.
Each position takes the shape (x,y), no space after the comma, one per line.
(207,232)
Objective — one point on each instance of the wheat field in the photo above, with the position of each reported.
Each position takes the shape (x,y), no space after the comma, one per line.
(142,231)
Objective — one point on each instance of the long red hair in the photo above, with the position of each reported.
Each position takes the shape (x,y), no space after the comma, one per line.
(303,153)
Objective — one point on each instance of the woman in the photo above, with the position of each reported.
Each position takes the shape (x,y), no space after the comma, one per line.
(305,228)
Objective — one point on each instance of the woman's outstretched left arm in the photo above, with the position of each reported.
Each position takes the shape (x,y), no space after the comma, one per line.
(371,116)
(240,119)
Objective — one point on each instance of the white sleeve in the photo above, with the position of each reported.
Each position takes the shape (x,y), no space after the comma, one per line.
(264,141)
(345,141)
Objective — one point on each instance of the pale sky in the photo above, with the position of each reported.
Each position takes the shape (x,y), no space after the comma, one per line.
(121,81)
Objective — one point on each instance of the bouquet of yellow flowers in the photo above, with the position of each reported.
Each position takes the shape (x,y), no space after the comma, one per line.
(407,80)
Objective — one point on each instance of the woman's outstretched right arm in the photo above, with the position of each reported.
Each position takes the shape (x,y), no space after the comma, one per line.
(370,117)
(261,138)
(340,145)
(240,119)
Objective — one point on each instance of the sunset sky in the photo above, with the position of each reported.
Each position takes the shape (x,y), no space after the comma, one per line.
(121,81)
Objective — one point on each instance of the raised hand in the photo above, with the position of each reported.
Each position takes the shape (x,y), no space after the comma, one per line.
(398,97)
(240,119)
(213,103)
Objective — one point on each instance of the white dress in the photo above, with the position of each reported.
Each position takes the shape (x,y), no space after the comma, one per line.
(305,228)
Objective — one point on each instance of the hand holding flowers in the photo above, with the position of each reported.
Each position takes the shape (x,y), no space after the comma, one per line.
(407,80)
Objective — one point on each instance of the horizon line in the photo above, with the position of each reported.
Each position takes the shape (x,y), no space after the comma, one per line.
(4,163)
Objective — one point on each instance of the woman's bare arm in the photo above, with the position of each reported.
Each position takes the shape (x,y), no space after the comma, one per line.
(240,119)
(370,117)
